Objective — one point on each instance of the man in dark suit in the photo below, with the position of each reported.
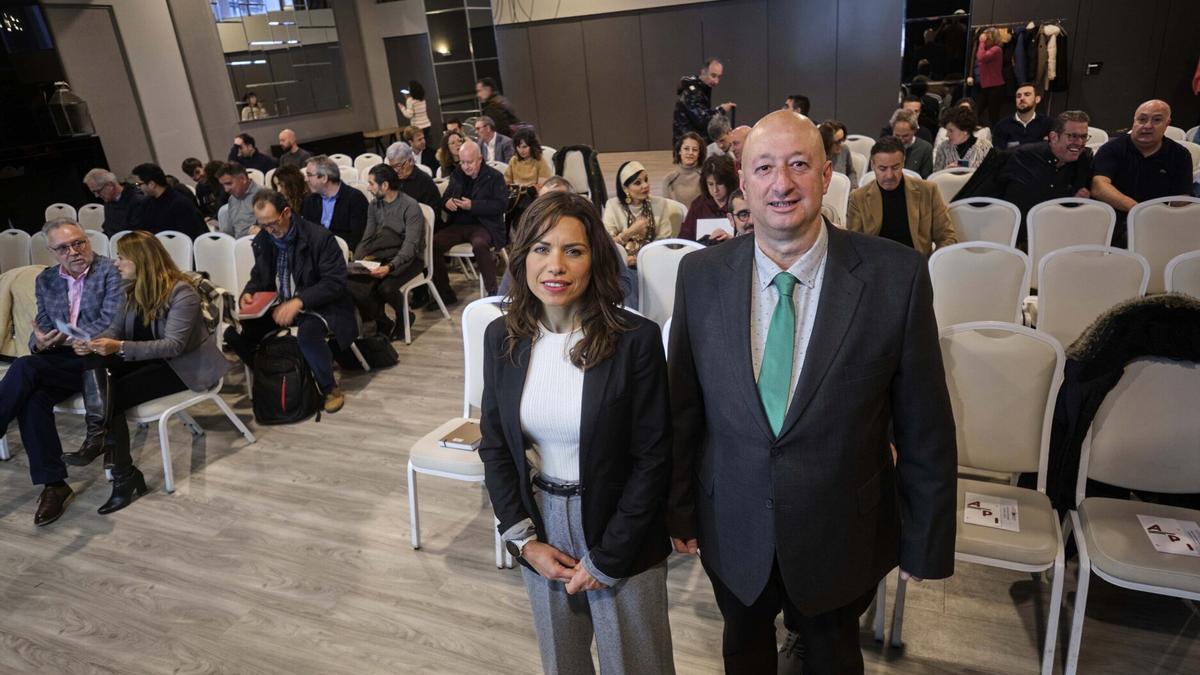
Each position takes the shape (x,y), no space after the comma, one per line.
(475,201)
(337,207)
(493,145)
(784,477)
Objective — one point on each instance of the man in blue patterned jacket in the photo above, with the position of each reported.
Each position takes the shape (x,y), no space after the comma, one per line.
(84,291)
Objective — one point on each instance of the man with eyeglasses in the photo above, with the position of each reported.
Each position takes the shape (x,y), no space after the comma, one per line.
(84,291)
(165,208)
(412,181)
(1141,165)
(122,205)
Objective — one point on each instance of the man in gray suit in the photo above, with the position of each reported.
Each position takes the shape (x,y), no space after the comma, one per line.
(785,413)
(495,147)
(918,152)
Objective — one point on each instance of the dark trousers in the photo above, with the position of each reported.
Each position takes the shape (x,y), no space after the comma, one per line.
(370,294)
(830,639)
(30,389)
(311,334)
(481,243)
(990,102)
(135,383)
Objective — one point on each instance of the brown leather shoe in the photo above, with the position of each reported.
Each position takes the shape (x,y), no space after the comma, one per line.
(334,400)
(52,503)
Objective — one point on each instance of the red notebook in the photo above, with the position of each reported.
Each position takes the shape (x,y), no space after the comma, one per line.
(259,304)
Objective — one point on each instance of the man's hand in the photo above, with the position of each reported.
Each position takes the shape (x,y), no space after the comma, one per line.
(81,348)
(549,562)
(728,106)
(452,204)
(583,581)
(44,341)
(381,271)
(245,299)
(285,314)
(905,576)
(464,203)
(1083,193)
(237,140)
(686,546)
(719,235)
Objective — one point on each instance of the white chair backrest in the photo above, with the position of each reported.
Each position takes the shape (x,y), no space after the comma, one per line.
(869,177)
(1097,136)
(429,218)
(179,246)
(362,187)
(1194,149)
(860,144)
(366,161)
(986,219)
(255,175)
(428,171)
(1079,283)
(348,174)
(1059,223)
(548,155)
(91,216)
(1176,134)
(1160,231)
(950,181)
(112,241)
(575,172)
(100,244)
(674,212)
(344,246)
(978,281)
(1003,380)
(666,336)
(859,162)
(498,165)
(14,249)
(269,175)
(243,262)
(1143,436)
(342,160)
(39,253)
(214,253)
(475,319)
(1183,274)
(60,210)
(657,266)
(1192,134)
(442,184)
(838,195)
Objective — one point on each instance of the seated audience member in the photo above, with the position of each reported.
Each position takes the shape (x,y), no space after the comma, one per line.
(418,140)
(160,345)
(683,184)
(205,196)
(236,218)
(447,154)
(453,124)
(495,107)
(1027,125)
(633,217)
(290,181)
(301,262)
(737,138)
(495,146)
(527,167)
(904,209)
(1143,164)
(739,214)
(292,153)
(333,204)
(84,290)
(395,237)
(245,152)
(827,211)
(721,133)
(918,153)
(929,113)
(962,147)
(212,185)
(252,110)
(555,184)
(122,203)
(797,103)
(475,202)
(913,103)
(841,158)
(718,180)
(188,193)
(412,181)
(164,208)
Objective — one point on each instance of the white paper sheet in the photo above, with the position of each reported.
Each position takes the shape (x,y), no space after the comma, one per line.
(989,511)
(706,226)
(1168,535)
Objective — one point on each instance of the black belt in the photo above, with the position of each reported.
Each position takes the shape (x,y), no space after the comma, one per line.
(557,489)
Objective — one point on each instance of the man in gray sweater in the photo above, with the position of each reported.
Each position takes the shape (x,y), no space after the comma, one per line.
(236,217)
(395,238)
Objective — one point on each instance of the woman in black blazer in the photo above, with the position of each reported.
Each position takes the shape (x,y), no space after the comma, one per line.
(577,445)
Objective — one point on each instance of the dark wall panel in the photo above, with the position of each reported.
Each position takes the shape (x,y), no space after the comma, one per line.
(1180,51)
(556,51)
(408,58)
(613,54)
(803,53)
(671,48)
(516,71)
(733,32)
(1127,79)
(868,62)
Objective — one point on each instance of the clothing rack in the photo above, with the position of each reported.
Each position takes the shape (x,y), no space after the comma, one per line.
(1009,24)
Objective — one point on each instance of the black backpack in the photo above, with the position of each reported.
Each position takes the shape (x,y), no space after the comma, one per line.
(284,388)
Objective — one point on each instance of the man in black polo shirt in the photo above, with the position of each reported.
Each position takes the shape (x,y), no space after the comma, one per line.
(1027,125)
(1141,165)
(1060,167)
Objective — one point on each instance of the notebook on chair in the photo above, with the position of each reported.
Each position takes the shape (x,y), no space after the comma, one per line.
(467,436)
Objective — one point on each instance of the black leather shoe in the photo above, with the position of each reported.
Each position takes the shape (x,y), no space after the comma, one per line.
(386,327)
(449,300)
(126,489)
(97,403)
(52,503)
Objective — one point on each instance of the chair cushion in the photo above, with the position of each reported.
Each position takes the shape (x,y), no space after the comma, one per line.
(1035,544)
(461,250)
(146,411)
(427,454)
(1118,546)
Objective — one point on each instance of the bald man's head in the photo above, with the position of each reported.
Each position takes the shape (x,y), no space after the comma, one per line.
(287,140)
(1150,122)
(737,139)
(784,176)
(470,158)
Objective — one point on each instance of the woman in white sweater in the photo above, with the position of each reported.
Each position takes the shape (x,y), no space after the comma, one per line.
(634,217)
(415,110)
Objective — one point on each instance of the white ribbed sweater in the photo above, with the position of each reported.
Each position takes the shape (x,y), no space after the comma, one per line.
(551,406)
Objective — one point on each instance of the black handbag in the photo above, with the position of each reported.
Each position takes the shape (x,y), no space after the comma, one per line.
(377,350)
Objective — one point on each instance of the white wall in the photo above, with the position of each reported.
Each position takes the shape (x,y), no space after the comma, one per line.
(379,21)
(524,11)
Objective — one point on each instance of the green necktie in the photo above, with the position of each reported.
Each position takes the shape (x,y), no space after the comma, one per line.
(775,373)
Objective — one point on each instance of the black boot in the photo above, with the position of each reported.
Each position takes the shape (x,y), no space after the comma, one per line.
(126,488)
(97,402)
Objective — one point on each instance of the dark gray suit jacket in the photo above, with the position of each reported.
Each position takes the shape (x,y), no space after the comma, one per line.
(919,157)
(183,340)
(824,498)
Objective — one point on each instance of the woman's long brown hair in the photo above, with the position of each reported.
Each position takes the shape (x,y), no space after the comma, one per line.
(600,319)
(156,274)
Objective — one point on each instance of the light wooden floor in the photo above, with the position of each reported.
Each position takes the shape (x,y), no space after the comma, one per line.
(292,556)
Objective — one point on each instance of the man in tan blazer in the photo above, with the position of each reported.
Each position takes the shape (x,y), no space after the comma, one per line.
(902,208)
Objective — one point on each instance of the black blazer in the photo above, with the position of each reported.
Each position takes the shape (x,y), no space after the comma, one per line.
(624,448)
(349,214)
(823,498)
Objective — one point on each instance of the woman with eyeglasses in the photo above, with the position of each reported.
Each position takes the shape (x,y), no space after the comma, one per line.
(447,154)
(838,153)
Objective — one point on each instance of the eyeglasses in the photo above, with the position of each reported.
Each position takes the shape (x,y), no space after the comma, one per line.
(1076,137)
(742,215)
(138,184)
(80,245)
